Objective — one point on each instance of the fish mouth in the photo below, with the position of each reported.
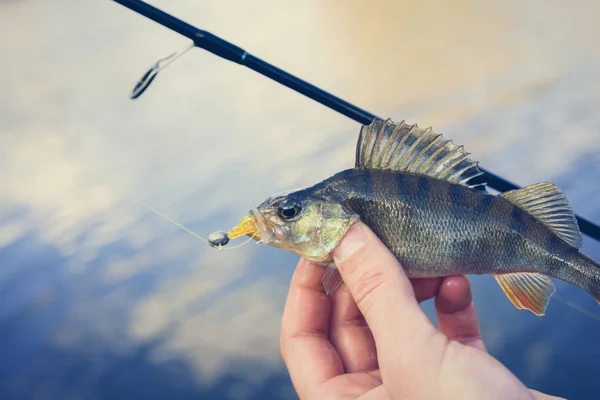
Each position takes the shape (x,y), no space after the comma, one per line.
(254,225)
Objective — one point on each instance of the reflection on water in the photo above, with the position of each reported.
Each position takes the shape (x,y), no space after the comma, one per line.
(100,297)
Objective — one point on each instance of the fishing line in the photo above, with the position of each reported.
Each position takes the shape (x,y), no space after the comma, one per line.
(224,49)
(219,247)
(577,307)
(566,302)
(237,246)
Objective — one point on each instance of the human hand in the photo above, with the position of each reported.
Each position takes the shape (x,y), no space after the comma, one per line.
(371,340)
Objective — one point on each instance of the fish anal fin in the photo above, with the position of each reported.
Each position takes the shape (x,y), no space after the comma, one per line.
(527,290)
(549,205)
(387,145)
(332,280)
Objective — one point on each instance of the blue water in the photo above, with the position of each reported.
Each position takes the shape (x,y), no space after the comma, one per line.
(100,298)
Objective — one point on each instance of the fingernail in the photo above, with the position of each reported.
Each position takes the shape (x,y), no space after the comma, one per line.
(355,238)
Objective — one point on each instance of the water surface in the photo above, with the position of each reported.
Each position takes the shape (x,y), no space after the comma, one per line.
(101,298)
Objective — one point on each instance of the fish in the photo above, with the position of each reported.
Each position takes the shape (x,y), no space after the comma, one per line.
(424,197)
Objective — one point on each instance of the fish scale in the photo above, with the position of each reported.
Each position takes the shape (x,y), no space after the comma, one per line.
(420,195)
(432,232)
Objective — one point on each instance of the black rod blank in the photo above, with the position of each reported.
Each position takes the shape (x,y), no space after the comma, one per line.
(231,52)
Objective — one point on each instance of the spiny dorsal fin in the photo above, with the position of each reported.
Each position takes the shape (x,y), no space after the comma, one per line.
(549,205)
(527,290)
(387,145)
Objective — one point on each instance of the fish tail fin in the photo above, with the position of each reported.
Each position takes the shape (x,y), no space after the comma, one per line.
(548,204)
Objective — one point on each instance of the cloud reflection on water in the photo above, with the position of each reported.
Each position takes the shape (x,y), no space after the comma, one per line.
(89,276)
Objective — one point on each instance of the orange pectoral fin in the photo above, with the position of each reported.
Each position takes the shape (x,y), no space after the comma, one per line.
(527,290)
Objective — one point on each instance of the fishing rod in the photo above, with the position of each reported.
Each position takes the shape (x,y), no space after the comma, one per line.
(222,48)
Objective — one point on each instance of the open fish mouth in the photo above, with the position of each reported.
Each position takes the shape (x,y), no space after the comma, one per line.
(254,225)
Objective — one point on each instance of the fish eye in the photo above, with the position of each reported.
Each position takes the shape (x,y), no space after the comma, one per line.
(289,208)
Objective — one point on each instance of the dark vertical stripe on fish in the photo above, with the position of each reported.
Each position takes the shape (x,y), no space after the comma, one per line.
(369,178)
(552,244)
(484,205)
(401,186)
(516,221)
(455,191)
(454,194)
(423,188)
(423,185)
(502,210)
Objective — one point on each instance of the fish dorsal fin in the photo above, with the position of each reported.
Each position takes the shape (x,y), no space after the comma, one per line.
(386,145)
(527,290)
(550,206)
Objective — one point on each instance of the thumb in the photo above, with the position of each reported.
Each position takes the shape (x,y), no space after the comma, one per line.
(383,294)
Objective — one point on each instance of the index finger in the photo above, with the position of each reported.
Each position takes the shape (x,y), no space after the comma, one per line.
(310,357)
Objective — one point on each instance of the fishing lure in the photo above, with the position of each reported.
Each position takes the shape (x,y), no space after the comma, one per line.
(418,193)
